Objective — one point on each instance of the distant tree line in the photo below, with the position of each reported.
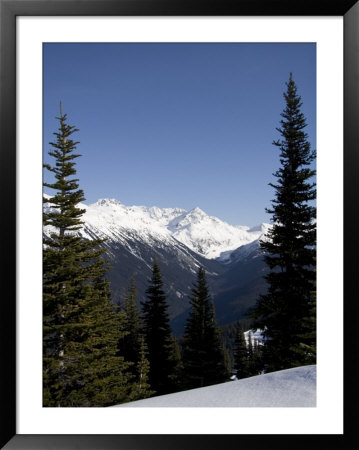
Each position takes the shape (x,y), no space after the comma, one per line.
(99,354)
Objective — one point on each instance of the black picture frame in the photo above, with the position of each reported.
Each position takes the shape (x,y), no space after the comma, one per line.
(9,10)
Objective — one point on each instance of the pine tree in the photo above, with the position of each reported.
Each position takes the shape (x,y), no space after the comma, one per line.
(226,360)
(290,246)
(216,368)
(157,334)
(80,329)
(129,345)
(308,337)
(241,355)
(142,388)
(133,347)
(203,358)
(175,357)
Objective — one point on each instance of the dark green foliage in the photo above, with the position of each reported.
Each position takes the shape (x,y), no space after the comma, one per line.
(175,357)
(203,357)
(226,360)
(229,335)
(308,337)
(241,355)
(142,388)
(133,347)
(290,247)
(254,358)
(80,328)
(158,335)
(129,345)
(246,355)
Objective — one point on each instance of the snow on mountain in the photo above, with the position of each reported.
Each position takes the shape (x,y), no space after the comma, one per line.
(118,222)
(207,236)
(181,241)
(247,250)
(286,388)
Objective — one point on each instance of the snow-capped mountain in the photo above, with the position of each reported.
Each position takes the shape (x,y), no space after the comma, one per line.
(182,241)
(246,250)
(208,236)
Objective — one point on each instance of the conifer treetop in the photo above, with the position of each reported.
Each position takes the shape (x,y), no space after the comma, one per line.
(66,216)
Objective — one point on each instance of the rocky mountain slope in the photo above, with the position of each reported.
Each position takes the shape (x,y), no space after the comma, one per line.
(181,241)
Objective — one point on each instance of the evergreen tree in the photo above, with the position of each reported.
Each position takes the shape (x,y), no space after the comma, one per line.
(241,355)
(226,360)
(308,337)
(203,358)
(129,345)
(175,357)
(290,246)
(80,330)
(157,334)
(133,347)
(143,388)
(217,368)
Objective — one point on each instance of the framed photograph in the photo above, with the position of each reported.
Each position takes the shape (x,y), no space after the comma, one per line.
(119,64)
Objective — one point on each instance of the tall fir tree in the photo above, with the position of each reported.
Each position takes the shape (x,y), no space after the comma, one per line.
(80,328)
(203,357)
(133,347)
(290,247)
(226,360)
(129,345)
(142,387)
(158,336)
(175,356)
(240,355)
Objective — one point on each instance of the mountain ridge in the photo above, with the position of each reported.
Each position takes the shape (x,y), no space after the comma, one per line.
(181,241)
(206,235)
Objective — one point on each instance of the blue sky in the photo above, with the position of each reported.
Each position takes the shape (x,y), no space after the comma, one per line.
(178,125)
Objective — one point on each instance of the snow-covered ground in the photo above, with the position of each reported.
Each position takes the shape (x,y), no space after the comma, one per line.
(286,388)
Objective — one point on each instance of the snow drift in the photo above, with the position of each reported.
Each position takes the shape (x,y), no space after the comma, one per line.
(286,388)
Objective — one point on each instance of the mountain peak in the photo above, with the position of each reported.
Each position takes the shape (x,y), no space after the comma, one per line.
(263,227)
(206,235)
(107,202)
(197,210)
(195,215)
